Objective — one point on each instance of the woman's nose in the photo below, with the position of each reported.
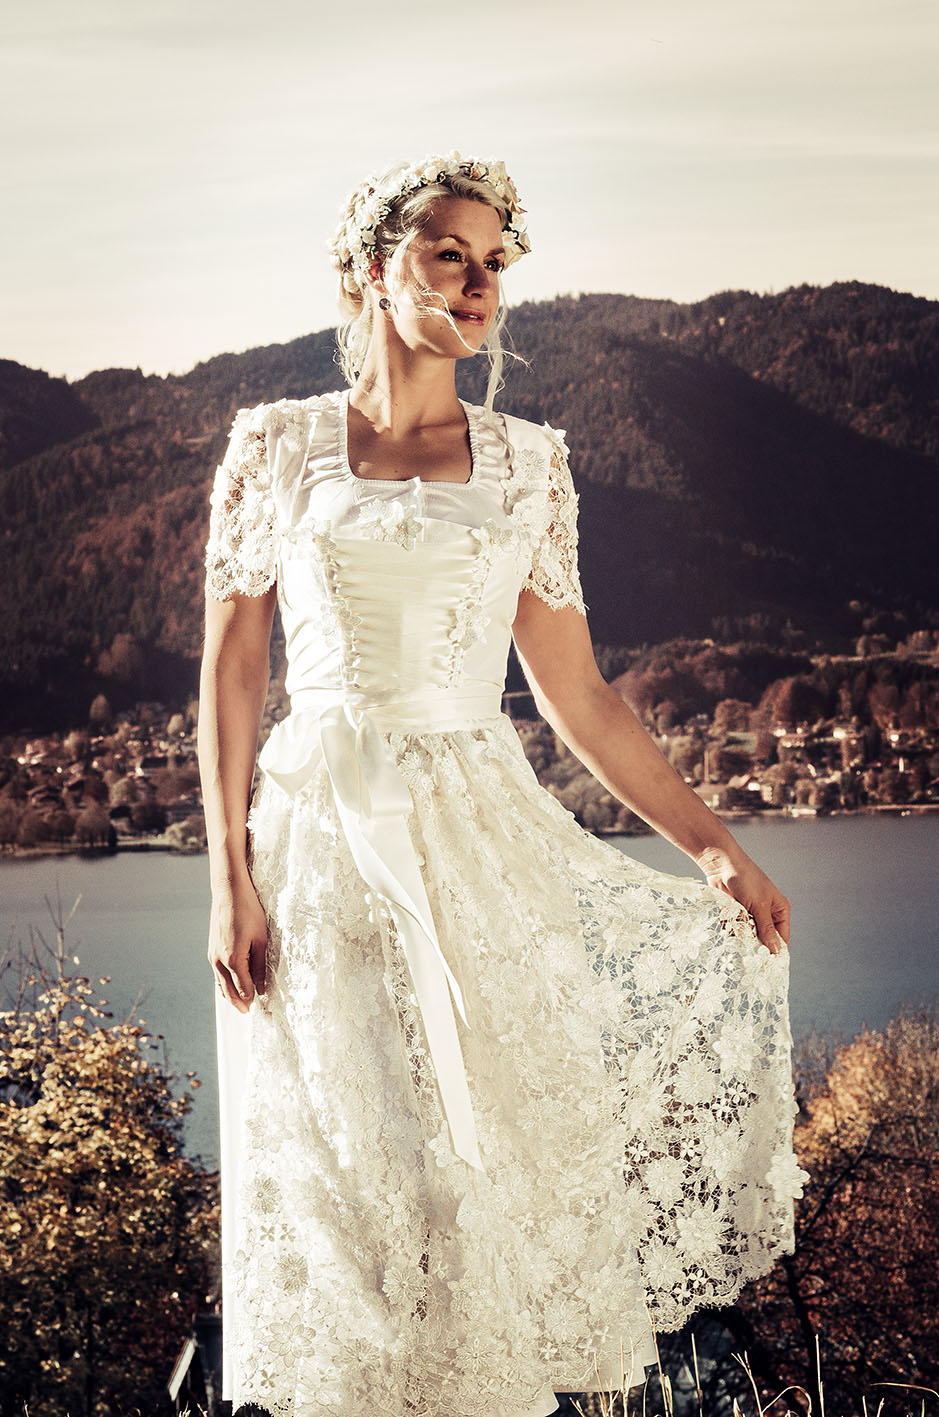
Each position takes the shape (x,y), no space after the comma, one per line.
(476,277)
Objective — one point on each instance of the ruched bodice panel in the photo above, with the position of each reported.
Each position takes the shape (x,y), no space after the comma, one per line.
(382,619)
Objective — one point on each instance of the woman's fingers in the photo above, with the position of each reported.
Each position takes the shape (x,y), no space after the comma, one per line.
(771,919)
(228,984)
(238,946)
(234,978)
(765,929)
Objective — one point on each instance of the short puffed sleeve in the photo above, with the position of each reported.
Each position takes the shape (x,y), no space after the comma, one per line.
(241,552)
(554,575)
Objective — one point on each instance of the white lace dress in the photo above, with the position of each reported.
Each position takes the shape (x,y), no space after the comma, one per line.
(509,1093)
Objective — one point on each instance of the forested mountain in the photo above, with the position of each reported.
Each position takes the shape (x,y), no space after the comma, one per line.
(744,463)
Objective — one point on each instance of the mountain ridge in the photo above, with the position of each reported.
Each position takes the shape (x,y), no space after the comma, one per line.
(741,461)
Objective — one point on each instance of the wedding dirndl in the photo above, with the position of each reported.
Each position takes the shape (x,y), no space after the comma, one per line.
(510,1097)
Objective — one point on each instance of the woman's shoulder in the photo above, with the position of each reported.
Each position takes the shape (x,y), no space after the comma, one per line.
(289,419)
(524,434)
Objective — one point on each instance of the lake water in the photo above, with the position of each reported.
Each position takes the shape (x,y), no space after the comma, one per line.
(865,895)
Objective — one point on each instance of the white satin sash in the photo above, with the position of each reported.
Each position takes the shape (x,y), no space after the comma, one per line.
(342,730)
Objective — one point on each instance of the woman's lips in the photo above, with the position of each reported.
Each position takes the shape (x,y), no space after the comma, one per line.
(473,316)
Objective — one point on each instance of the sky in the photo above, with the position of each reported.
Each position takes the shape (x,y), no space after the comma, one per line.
(171,172)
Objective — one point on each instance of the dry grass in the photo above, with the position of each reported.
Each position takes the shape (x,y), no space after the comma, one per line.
(654,1397)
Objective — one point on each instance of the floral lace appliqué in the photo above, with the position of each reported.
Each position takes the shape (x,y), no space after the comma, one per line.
(397,520)
(554,575)
(470,617)
(538,493)
(241,551)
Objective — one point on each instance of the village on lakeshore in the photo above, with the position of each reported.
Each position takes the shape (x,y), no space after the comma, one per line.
(130,781)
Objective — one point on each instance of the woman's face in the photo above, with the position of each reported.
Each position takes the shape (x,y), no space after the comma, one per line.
(452,265)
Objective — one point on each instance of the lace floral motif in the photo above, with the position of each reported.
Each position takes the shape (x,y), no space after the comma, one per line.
(241,552)
(470,616)
(525,477)
(339,621)
(397,520)
(289,420)
(554,575)
(539,494)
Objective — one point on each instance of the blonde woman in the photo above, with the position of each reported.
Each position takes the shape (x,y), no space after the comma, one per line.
(495,1097)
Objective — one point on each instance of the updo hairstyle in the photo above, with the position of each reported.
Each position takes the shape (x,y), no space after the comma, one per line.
(393,235)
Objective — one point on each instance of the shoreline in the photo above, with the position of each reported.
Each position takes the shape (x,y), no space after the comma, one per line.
(48,849)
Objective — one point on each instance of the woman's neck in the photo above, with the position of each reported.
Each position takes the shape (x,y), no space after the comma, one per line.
(405,390)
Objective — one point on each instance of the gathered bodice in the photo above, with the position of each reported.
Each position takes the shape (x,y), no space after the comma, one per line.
(388,589)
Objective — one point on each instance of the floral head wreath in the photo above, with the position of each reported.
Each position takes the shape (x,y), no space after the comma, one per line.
(353,245)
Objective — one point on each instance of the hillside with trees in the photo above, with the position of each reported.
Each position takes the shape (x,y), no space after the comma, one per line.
(759,468)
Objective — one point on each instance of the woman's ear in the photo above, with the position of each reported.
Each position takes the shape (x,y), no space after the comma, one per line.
(374,274)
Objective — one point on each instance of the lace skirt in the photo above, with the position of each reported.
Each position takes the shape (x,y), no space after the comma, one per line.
(628,1059)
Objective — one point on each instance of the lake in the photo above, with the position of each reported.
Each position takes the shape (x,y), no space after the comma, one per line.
(864,889)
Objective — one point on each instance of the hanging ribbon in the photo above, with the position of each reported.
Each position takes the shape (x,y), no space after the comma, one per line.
(373,803)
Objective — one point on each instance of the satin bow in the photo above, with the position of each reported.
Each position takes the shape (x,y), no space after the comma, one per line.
(373,802)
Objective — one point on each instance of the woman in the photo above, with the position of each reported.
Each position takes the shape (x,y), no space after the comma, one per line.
(420,1216)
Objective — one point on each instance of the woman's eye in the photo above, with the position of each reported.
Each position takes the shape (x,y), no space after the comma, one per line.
(493,264)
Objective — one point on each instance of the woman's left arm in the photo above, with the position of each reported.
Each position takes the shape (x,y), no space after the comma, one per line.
(557,656)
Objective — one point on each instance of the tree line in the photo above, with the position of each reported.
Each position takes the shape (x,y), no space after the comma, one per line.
(762,459)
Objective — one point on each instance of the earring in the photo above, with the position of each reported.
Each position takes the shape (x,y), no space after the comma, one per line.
(384,303)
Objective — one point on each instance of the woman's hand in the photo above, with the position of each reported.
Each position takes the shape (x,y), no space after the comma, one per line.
(238,943)
(740,877)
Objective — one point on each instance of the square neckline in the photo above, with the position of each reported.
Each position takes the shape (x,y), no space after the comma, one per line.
(342,439)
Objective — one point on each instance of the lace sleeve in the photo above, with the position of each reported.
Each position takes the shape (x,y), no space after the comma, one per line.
(554,575)
(241,552)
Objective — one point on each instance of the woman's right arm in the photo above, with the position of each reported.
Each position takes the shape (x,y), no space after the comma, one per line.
(232,692)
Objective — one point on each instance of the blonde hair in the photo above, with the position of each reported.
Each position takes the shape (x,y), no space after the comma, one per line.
(393,235)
